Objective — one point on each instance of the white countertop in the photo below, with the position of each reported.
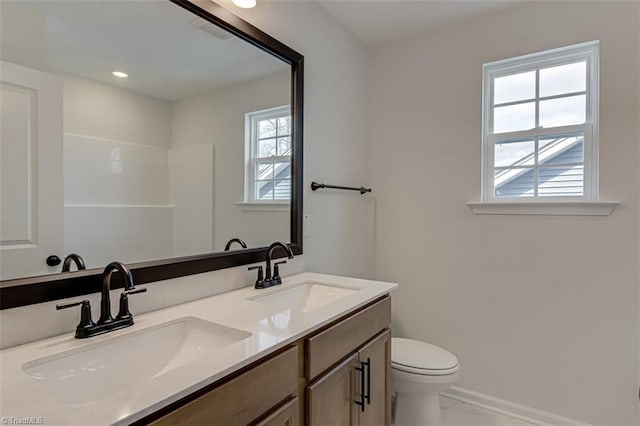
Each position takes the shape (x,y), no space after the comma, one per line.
(271,328)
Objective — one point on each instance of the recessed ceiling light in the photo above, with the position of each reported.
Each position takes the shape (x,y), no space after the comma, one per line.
(245,4)
(120,74)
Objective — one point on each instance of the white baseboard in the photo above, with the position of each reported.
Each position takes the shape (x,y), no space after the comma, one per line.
(508,408)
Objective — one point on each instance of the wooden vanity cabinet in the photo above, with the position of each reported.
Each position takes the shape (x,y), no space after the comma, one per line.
(286,415)
(356,390)
(377,356)
(339,375)
(330,399)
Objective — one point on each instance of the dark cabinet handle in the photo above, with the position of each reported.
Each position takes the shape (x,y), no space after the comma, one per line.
(362,397)
(53,260)
(368,394)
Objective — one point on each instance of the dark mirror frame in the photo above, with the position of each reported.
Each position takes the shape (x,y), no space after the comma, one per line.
(38,289)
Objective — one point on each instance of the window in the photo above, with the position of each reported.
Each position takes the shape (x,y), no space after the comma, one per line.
(268,156)
(540,120)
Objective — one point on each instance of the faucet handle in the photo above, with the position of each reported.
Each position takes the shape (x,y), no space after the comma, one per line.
(276,272)
(71,305)
(85,315)
(260,280)
(276,269)
(135,291)
(123,312)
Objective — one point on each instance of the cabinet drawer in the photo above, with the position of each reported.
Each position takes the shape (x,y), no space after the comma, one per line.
(244,398)
(331,345)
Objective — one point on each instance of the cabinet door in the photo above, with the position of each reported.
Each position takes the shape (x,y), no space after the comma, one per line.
(331,400)
(287,415)
(31,204)
(375,357)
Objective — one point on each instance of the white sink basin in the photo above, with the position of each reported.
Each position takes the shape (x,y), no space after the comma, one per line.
(304,297)
(95,371)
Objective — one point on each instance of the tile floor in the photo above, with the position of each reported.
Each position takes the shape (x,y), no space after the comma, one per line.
(457,413)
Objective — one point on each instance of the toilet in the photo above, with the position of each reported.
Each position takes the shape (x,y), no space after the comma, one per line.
(419,372)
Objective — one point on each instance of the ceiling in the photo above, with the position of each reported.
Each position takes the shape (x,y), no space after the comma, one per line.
(377,22)
(146,39)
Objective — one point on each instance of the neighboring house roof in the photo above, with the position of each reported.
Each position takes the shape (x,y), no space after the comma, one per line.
(282,187)
(560,181)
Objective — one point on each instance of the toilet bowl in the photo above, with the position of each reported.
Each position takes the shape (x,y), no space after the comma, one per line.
(419,372)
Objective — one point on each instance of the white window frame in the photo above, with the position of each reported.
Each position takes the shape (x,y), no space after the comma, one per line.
(251,147)
(588,52)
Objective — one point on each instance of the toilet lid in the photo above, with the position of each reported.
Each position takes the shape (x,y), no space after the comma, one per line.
(421,358)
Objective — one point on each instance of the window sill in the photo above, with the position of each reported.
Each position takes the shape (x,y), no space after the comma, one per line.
(264,207)
(552,208)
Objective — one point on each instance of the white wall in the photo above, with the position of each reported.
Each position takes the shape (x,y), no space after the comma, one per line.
(191,185)
(218,118)
(334,132)
(116,174)
(27,44)
(116,113)
(542,311)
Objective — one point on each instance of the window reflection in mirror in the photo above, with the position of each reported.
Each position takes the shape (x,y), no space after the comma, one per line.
(268,148)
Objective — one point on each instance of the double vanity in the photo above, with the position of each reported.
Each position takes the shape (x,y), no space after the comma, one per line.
(314,350)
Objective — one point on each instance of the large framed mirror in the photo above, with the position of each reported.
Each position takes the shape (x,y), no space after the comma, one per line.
(166,134)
